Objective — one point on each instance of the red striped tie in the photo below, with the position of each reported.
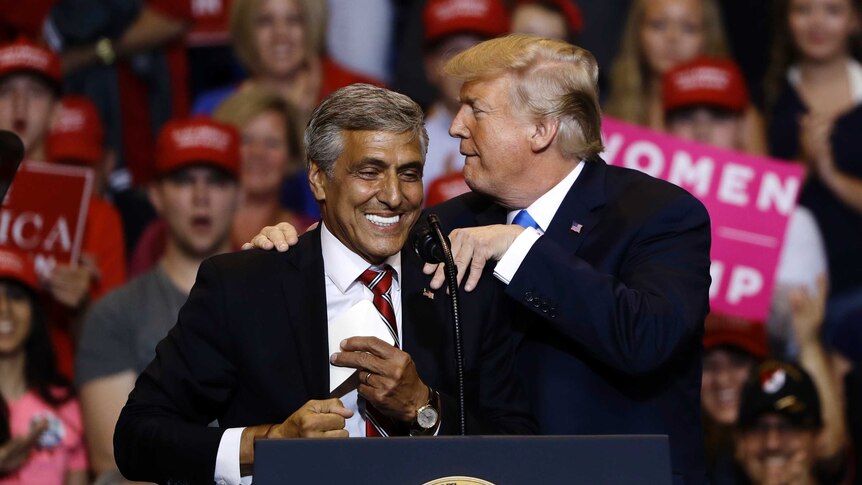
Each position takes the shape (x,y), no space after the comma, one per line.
(379,281)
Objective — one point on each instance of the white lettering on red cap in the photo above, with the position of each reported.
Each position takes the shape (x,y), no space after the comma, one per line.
(703,78)
(201,136)
(24,56)
(69,120)
(772,382)
(456,9)
(11,262)
(203,8)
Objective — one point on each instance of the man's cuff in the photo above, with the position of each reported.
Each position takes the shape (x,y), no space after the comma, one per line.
(227,458)
(514,256)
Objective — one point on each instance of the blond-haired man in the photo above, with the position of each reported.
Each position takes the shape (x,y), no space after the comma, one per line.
(610,266)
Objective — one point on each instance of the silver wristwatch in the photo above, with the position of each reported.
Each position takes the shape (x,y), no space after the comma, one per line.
(427,416)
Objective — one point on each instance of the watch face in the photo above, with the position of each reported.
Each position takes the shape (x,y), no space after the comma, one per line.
(427,417)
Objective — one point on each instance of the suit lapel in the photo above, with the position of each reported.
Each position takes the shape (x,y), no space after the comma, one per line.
(577,217)
(305,298)
(419,319)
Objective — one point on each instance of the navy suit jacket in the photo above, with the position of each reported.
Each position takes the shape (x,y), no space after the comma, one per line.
(250,347)
(609,315)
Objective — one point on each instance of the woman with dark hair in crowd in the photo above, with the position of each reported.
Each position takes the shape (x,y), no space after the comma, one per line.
(41,428)
(814,101)
(732,347)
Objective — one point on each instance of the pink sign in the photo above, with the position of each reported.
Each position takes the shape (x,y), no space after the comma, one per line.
(749,200)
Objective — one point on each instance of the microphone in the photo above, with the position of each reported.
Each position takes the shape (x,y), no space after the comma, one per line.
(432,245)
(427,245)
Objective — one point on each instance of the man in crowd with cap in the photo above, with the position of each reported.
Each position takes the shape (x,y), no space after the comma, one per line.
(30,87)
(779,423)
(196,194)
(451,26)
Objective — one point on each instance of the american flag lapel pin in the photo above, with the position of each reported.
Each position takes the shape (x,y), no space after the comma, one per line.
(576,228)
(427,293)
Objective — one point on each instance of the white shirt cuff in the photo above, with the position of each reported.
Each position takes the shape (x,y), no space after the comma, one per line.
(227,459)
(514,256)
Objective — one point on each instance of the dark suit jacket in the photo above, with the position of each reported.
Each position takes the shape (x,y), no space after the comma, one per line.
(250,347)
(611,317)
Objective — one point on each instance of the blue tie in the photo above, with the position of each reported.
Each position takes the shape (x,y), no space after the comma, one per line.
(523,219)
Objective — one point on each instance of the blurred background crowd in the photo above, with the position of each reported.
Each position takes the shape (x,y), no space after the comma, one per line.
(190,113)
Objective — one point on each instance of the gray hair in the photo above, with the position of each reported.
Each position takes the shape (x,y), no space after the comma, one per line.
(359,107)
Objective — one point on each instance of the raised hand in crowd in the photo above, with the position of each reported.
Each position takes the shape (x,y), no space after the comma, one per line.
(808,311)
(15,452)
(70,285)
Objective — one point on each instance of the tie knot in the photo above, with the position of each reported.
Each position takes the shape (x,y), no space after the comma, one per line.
(525,220)
(377,280)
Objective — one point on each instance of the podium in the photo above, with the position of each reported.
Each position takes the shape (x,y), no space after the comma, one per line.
(458,460)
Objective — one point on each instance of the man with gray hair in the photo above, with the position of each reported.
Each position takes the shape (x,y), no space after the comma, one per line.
(608,267)
(251,347)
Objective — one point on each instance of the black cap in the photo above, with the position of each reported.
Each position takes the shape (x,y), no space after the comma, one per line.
(780,387)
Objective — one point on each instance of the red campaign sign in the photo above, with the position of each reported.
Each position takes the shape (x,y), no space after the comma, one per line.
(749,200)
(45,212)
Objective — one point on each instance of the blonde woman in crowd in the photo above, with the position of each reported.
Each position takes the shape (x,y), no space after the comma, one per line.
(271,151)
(282,45)
(659,34)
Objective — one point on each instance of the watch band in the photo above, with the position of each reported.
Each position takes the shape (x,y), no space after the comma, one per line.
(433,404)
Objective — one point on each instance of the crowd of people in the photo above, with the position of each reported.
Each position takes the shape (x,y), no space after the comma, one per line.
(191,116)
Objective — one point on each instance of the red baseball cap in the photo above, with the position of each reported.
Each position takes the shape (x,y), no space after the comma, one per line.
(570,11)
(76,134)
(487,18)
(445,188)
(195,141)
(24,55)
(715,82)
(16,265)
(743,334)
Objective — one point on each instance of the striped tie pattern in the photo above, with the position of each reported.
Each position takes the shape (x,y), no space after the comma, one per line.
(379,281)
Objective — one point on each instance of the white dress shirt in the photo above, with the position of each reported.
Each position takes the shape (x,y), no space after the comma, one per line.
(542,211)
(342,267)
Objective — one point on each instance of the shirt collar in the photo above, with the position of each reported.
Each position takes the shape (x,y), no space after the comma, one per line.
(543,209)
(343,266)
